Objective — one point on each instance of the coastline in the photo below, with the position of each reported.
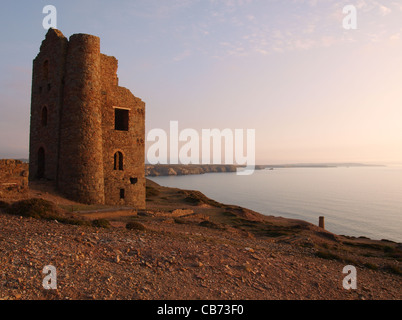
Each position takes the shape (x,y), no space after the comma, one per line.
(194,169)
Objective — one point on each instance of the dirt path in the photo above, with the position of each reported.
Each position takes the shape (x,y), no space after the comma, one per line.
(108,214)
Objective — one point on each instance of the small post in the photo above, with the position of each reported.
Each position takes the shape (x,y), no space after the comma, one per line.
(321,222)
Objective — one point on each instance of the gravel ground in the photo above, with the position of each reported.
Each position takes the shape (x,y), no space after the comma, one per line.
(170,261)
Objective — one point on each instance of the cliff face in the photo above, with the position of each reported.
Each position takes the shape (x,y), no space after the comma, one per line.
(179,170)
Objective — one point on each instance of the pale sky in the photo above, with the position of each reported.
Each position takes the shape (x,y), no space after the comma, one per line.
(313,91)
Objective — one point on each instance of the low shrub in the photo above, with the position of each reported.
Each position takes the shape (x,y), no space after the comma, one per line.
(34,208)
(328,255)
(371,266)
(198,198)
(101,223)
(393,269)
(210,224)
(43,210)
(4,205)
(133,225)
(151,191)
(180,221)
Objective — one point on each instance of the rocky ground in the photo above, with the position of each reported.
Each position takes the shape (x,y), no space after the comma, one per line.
(205,250)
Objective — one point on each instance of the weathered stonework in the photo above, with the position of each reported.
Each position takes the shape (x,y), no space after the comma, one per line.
(75,138)
(13,178)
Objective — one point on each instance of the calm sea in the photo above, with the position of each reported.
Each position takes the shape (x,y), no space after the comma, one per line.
(356,201)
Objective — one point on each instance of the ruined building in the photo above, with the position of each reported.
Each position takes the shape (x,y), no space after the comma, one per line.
(87,133)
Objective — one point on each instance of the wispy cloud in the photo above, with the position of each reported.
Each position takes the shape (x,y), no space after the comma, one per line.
(384,10)
(314,23)
(183,55)
(222,28)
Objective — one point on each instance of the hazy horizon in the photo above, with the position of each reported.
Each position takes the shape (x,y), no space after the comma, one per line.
(313,91)
(279,163)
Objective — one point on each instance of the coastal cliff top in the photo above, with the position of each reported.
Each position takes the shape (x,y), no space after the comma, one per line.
(185,246)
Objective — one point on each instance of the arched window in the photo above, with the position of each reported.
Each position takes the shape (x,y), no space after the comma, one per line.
(118,161)
(44,117)
(46,70)
(41,163)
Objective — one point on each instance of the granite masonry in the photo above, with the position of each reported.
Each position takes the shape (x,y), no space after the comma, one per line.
(13,178)
(87,133)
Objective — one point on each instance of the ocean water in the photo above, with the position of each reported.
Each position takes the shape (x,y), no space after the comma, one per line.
(356,201)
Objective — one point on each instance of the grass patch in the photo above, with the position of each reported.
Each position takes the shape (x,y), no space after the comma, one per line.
(369,255)
(372,246)
(43,210)
(151,192)
(101,223)
(381,249)
(371,266)
(393,269)
(211,225)
(4,205)
(180,221)
(274,234)
(328,255)
(197,198)
(262,229)
(34,208)
(133,225)
(389,241)
(229,214)
(81,207)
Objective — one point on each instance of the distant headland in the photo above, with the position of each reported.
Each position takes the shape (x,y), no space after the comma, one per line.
(179,169)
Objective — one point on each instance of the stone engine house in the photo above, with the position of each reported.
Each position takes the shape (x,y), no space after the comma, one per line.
(87,133)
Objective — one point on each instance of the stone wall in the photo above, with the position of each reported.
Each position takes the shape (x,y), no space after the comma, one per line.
(13,178)
(81,165)
(129,143)
(80,140)
(47,92)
